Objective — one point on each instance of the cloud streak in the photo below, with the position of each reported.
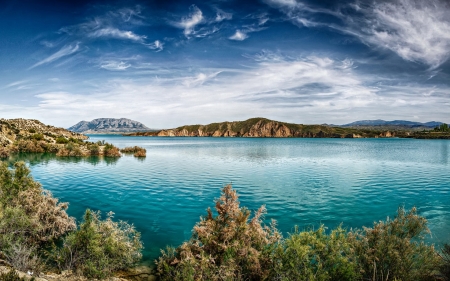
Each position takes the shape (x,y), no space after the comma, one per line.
(63,52)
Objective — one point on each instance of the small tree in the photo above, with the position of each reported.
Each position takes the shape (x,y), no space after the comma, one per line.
(229,246)
(99,247)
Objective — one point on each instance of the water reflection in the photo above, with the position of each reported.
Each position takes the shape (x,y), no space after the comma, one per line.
(44,158)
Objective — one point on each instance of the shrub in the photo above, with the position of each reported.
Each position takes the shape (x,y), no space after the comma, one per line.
(140,153)
(30,217)
(395,250)
(110,150)
(136,150)
(99,248)
(225,247)
(314,255)
(38,137)
(48,216)
(4,152)
(445,267)
(61,140)
(71,149)
(94,149)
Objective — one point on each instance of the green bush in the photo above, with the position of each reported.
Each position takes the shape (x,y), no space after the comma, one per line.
(94,149)
(314,255)
(61,140)
(445,266)
(99,247)
(395,249)
(38,137)
(229,246)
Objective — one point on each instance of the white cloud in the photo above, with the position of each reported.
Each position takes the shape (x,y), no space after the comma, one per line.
(238,36)
(415,30)
(115,65)
(64,51)
(157,45)
(116,33)
(188,23)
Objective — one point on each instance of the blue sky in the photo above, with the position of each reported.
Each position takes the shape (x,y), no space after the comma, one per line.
(170,63)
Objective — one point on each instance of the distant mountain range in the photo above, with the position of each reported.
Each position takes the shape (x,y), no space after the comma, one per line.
(395,123)
(109,125)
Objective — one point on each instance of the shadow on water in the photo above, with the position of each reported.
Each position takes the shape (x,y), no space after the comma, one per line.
(44,158)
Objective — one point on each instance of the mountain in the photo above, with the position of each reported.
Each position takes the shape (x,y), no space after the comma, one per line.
(395,123)
(261,127)
(12,130)
(108,125)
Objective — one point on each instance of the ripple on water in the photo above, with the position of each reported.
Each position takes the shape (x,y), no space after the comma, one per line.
(302,182)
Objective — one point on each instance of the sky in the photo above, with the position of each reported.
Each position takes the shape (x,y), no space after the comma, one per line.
(171,63)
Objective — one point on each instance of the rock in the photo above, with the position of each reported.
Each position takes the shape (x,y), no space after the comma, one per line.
(139,273)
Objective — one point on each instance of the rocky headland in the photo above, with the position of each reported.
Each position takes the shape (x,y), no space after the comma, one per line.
(28,135)
(265,128)
(12,130)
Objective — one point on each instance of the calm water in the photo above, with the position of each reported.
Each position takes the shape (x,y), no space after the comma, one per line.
(302,182)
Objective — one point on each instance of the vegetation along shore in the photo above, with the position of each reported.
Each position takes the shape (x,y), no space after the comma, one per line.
(38,239)
(27,135)
(262,127)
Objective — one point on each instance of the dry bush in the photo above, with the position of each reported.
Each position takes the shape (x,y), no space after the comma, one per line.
(140,153)
(99,247)
(71,149)
(228,246)
(30,218)
(395,249)
(4,152)
(110,150)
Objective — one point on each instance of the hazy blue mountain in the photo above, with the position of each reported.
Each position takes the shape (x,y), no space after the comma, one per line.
(109,125)
(400,123)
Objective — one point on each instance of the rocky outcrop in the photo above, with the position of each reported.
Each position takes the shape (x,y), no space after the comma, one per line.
(108,125)
(15,129)
(256,128)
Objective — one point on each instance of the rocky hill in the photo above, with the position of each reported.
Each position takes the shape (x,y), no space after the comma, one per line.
(262,127)
(108,125)
(12,130)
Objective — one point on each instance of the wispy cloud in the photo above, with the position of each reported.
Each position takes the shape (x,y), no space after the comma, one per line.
(417,31)
(221,16)
(189,22)
(115,65)
(242,34)
(64,51)
(116,33)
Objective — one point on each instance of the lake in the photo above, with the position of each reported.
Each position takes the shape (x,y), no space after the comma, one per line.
(302,182)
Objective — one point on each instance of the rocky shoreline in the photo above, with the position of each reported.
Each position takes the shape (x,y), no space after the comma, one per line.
(265,128)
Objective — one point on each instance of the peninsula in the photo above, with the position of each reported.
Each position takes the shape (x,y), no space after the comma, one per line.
(266,128)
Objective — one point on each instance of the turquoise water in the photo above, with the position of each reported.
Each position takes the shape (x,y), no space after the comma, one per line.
(302,182)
